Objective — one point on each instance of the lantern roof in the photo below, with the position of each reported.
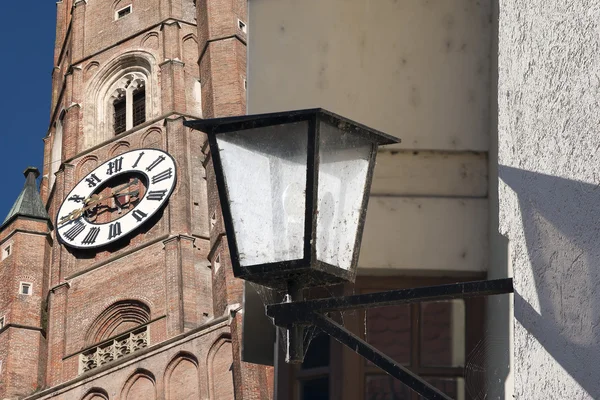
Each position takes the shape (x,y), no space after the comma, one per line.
(243,122)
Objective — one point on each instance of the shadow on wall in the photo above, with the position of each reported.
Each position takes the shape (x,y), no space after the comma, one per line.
(561,224)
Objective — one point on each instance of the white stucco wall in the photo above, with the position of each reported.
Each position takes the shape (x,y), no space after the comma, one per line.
(549,170)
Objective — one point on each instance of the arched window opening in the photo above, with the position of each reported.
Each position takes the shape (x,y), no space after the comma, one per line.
(56,154)
(129,102)
(122,95)
(139,106)
(120,115)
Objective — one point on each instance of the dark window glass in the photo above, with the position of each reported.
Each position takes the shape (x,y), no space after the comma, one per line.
(25,289)
(389,331)
(120,116)
(317,354)
(124,12)
(315,389)
(449,386)
(384,387)
(442,333)
(139,107)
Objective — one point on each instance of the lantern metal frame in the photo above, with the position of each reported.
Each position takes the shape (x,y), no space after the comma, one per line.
(295,314)
(307,271)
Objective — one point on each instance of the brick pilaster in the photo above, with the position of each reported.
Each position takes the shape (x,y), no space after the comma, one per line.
(56,333)
(174,289)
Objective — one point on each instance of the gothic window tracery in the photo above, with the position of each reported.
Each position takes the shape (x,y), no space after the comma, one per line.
(122,95)
(129,102)
(119,330)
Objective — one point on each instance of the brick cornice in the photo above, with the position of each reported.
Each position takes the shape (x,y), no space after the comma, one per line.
(27,231)
(179,238)
(172,61)
(24,327)
(169,22)
(208,42)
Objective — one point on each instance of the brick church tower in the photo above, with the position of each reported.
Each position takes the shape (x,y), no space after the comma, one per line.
(115,282)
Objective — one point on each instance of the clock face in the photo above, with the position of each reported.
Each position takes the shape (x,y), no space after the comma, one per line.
(116,198)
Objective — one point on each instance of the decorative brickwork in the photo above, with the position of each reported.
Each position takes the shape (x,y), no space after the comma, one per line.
(114,349)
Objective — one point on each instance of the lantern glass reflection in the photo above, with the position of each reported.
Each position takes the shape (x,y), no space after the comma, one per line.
(343,165)
(265,178)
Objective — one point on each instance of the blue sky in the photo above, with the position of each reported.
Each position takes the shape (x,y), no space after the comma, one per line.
(26,49)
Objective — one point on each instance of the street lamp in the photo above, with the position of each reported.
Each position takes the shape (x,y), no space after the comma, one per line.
(294,188)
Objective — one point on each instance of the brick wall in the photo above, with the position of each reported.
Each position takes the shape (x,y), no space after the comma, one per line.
(169,264)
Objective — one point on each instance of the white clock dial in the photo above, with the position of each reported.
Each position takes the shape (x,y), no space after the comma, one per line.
(116,198)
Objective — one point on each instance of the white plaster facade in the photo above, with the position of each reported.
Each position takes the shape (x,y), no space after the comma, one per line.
(424,71)
(549,198)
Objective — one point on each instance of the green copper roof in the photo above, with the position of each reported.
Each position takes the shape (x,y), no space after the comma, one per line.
(29,202)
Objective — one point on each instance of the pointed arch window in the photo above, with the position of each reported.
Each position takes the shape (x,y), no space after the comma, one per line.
(129,103)
(139,106)
(120,115)
(56,152)
(122,95)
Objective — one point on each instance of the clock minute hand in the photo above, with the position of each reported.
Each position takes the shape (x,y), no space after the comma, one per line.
(94,199)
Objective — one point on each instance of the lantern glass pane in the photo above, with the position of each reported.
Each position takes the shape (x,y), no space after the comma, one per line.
(343,166)
(265,176)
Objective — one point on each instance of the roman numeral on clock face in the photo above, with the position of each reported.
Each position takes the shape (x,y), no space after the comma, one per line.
(75,230)
(138,160)
(90,238)
(155,163)
(114,230)
(76,199)
(92,181)
(156,195)
(115,166)
(167,174)
(139,215)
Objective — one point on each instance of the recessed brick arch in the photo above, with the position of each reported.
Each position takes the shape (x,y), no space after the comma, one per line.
(96,394)
(153,138)
(150,41)
(116,318)
(85,166)
(220,358)
(119,148)
(140,385)
(181,378)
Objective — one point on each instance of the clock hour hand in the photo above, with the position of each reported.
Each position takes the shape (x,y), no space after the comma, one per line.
(116,191)
(94,199)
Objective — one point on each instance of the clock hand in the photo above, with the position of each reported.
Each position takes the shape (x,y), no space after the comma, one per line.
(94,199)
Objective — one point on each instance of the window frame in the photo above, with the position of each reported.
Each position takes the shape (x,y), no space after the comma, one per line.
(2,322)
(7,250)
(117,12)
(348,370)
(22,284)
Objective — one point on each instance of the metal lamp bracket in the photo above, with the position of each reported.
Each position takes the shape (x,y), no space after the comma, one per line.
(295,315)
